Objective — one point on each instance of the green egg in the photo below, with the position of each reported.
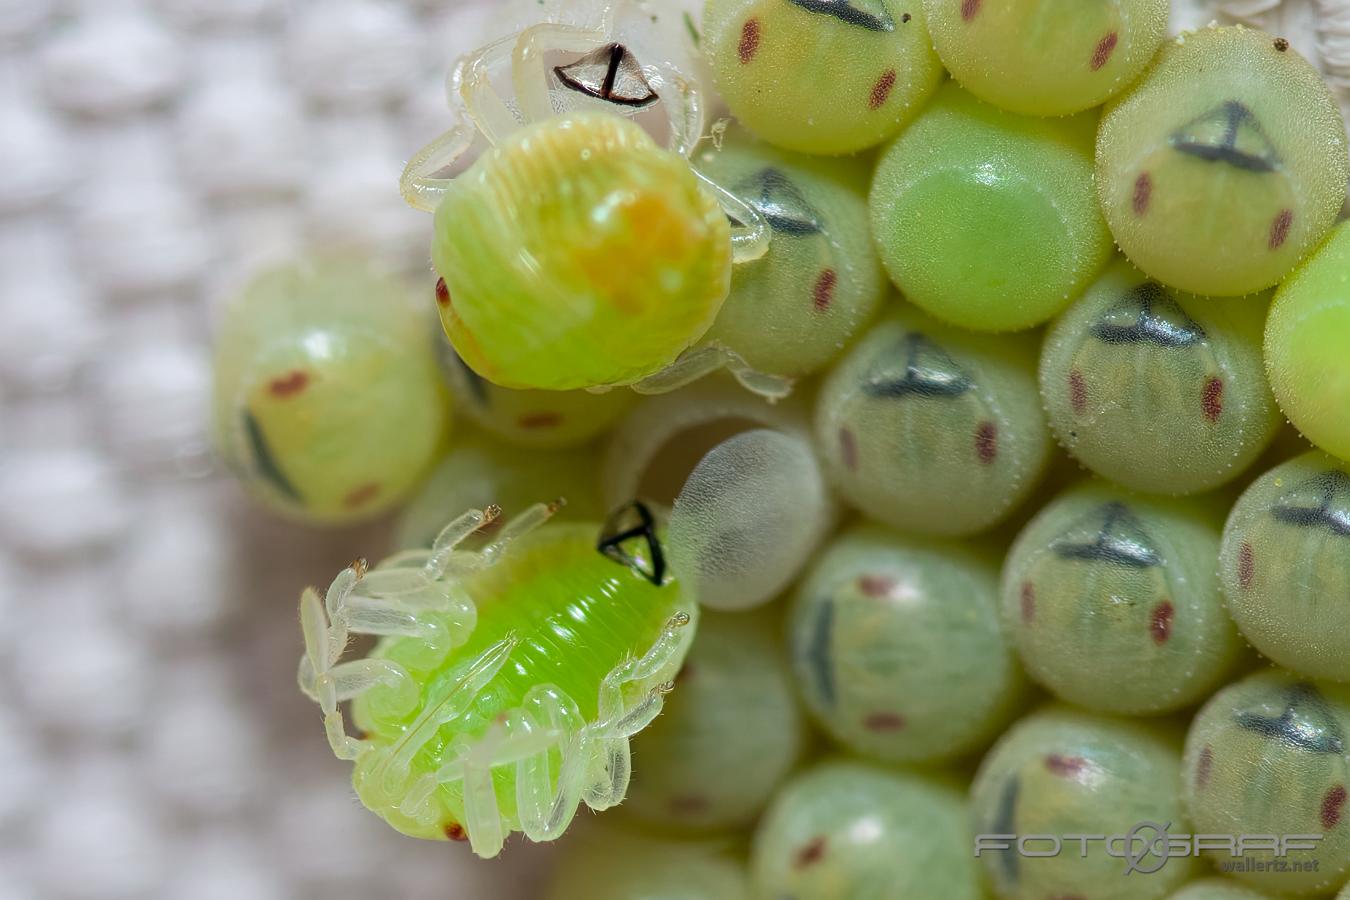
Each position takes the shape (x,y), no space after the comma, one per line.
(608,863)
(327,402)
(897,647)
(1217,889)
(1285,565)
(848,830)
(546,420)
(986,218)
(1267,756)
(792,311)
(1065,772)
(1046,57)
(821,76)
(481,471)
(931,429)
(729,733)
(1225,165)
(1114,604)
(1157,390)
(1308,345)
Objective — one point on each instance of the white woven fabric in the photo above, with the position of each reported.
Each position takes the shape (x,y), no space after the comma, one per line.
(154,154)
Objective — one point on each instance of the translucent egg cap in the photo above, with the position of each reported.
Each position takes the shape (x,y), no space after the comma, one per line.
(579,253)
(1308,346)
(748,500)
(516,658)
(747,516)
(316,367)
(1225,165)
(985,218)
(1046,57)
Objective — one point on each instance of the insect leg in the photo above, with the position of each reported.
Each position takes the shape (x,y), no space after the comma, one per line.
(427,177)
(532,78)
(750,231)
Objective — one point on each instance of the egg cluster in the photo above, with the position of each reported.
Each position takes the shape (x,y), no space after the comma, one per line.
(915,442)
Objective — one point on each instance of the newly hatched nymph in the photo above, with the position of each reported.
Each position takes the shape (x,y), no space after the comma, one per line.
(507,680)
(576,251)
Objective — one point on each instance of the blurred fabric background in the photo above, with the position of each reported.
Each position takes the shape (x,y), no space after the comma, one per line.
(153,155)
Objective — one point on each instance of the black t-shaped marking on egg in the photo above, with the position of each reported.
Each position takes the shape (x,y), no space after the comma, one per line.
(1307,721)
(611,74)
(774,196)
(849,14)
(1120,540)
(929,372)
(1157,320)
(817,655)
(264,461)
(1331,486)
(630,522)
(1232,120)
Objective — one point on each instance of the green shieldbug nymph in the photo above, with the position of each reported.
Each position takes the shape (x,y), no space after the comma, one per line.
(1114,604)
(932,429)
(316,365)
(821,76)
(847,830)
(897,647)
(1046,57)
(507,680)
(1225,165)
(1065,772)
(1268,755)
(1157,390)
(1285,565)
(575,251)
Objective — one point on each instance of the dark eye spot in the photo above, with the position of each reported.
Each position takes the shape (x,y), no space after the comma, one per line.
(539,420)
(1065,766)
(1279,229)
(970,9)
(1143,193)
(905,18)
(884,721)
(1212,400)
(881,91)
(986,442)
(288,385)
(822,295)
(749,41)
(455,832)
(1203,765)
(1331,806)
(1281,44)
(1028,601)
(1160,622)
(848,449)
(1105,47)
(811,854)
(360,496)
(442,293)
(1077,392)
